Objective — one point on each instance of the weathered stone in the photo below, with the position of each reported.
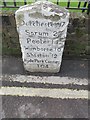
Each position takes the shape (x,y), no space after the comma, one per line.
(42,29)
(88,49)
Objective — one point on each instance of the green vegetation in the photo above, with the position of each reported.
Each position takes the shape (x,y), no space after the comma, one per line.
(73,3)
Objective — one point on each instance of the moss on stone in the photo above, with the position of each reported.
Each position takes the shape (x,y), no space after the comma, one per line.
(79,32)
(11,51)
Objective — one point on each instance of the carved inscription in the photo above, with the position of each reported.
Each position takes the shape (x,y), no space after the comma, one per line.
(36,23)
(43,46)
(42,29)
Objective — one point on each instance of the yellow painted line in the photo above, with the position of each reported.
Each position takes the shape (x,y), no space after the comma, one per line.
(45,79)
(41,92)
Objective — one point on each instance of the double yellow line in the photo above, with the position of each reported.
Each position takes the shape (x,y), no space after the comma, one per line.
(63,93)
(44,92)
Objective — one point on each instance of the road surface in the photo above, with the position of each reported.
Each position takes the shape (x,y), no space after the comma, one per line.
(37,95)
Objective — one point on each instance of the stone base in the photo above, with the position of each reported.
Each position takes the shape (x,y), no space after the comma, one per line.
(32,69)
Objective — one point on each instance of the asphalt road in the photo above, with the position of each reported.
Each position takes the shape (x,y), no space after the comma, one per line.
(52,104)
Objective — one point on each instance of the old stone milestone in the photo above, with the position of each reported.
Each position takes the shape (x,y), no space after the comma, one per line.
(42,28)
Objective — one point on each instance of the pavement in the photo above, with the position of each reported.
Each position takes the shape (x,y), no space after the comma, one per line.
(44,95)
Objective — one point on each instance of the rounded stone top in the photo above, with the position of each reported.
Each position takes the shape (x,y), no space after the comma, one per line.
(46,8)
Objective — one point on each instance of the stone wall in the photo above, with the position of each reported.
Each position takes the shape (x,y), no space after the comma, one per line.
(77,43)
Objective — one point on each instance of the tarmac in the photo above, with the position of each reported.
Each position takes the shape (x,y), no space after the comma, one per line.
(44,95)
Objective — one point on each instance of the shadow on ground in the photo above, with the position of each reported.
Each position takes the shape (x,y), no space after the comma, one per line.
(69,68)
